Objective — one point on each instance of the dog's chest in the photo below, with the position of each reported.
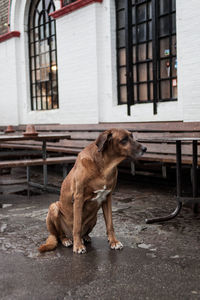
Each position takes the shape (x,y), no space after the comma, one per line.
(100,195)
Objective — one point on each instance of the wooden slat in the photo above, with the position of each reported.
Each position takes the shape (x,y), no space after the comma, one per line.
(152,157)
(39,147)
(36,162)
(62,143)
(19,153)
(178,126)
(168,148)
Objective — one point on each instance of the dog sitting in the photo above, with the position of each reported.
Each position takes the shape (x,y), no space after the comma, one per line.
(87,187)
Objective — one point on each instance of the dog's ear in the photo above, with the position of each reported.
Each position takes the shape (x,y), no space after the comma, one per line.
(103,140)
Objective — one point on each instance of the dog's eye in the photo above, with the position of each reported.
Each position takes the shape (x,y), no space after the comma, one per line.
(124,141)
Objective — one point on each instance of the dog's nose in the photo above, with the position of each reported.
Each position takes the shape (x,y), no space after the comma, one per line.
(144,149)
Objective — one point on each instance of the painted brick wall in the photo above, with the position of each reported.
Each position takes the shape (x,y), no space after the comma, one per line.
(8,86)
(87,69)
(188,47)
(77,65)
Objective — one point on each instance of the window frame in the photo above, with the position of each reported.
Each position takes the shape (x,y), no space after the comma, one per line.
(131,86)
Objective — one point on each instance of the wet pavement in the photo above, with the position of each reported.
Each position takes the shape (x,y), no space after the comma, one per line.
(159,261)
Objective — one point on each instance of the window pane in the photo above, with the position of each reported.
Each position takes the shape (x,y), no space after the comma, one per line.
(121,38)
(164,47)
(134,34)
(31,36)
(142,72)
(150,30)
(122,57)
(141,13)
(133,15)
(122,75)
(164,25)
(150,71)
(150,10)
(141,32)
(143,92)
(174,67)
(134,54)
(165,89)
(33,76)
(173,45)
(135,92)
(151,91)
(164,68)
(120,4)
(142,52)
(123,94)
(121,18)
(173,23)
(164,6)
(150,50)
(174,92)
(33,90)
(134,74)
(173,4)
(36,34)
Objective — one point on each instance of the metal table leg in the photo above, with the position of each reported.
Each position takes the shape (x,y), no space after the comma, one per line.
(28,176)
(194,175)
(44,156)
(178,187)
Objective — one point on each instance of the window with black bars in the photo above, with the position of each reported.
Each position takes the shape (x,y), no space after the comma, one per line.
(43,56)
(146,51)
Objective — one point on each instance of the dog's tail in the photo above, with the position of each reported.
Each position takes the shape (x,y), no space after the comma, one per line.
(51,244)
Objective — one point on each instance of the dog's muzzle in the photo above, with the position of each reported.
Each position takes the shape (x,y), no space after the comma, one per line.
(144,149)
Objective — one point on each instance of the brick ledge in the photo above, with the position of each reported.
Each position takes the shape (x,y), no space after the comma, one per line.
(71,7)
(9,35)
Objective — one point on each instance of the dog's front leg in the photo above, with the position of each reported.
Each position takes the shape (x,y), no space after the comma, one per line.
(78,246)
(107,212)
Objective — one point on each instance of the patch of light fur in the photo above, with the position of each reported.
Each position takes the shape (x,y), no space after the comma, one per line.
(101,195)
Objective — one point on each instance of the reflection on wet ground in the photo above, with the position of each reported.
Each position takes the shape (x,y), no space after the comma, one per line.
(156,262)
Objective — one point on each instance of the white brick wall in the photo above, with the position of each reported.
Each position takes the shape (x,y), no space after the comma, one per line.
(188,24)
(87,69)
(77,64)
(8,83)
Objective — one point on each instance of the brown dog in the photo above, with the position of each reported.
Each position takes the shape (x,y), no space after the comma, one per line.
(89,186)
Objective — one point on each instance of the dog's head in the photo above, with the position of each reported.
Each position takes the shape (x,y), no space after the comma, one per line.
(121,143)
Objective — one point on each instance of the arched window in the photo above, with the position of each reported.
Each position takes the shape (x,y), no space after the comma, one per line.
(43,56)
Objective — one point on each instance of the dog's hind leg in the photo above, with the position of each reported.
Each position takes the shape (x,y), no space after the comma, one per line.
(53,228)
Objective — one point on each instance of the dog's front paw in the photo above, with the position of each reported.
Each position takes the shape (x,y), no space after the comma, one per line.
(67,242)
(79,249)
(116,245)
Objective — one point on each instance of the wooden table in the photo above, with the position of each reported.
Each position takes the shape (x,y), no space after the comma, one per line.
(179,141)
(44,138)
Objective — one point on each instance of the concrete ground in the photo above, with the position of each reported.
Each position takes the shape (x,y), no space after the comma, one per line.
(159,261)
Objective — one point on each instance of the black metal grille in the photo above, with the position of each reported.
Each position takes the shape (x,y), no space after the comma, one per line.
(146,51)
(43,56)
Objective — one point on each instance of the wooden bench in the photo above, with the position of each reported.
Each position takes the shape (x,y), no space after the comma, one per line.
(65,161)
(162,154)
